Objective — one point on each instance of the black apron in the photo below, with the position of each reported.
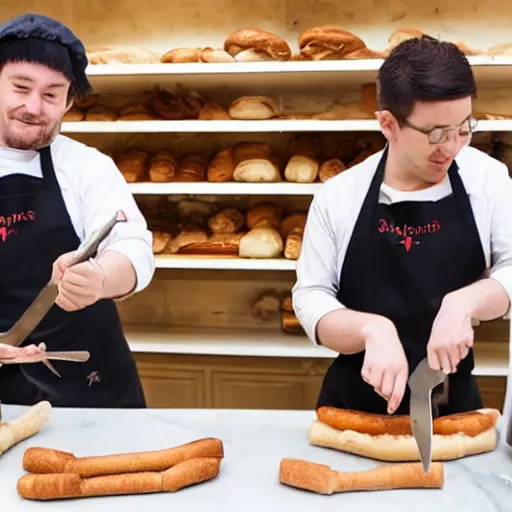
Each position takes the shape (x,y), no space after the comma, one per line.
(402,259)
(35,229)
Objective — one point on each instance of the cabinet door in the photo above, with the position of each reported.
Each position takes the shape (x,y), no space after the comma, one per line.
(172,388)
(234,390)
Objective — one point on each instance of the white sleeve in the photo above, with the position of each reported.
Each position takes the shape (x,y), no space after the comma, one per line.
(314,293)
(102,191)
(501,232)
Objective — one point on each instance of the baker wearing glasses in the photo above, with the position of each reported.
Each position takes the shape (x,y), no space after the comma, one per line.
(403,253)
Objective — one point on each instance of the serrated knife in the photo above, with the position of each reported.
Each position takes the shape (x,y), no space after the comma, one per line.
(421,383)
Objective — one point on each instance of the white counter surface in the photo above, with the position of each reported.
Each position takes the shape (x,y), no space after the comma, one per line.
(254,443)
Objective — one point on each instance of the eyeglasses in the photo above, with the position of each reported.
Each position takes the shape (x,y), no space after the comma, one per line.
(440,134)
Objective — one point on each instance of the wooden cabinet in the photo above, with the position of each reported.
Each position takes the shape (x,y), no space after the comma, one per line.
(180,381)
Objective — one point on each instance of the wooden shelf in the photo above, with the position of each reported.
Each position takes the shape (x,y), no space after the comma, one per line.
(269,74)
(222,263)
(232,188)
(492,358)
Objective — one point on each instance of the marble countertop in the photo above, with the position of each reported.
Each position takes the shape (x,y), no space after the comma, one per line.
(254,444)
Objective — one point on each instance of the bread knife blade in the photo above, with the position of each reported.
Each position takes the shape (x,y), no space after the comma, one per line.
(421,382)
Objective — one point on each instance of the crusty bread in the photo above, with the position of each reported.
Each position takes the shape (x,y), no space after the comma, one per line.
(388,438)
(249,44)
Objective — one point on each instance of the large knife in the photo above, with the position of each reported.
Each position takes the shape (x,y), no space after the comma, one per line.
(33,315)
(421,383)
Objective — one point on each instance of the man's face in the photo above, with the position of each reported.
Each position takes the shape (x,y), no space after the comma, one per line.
(33,101)
(429,162)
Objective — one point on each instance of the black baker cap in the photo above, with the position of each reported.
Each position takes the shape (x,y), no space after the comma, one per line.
(37,38)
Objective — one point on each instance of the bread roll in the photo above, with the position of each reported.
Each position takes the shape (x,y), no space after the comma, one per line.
(132,164)
(160,241)
(213,112)
(248,150)
(228,221)
(291,222)
(257,170)
(264,215)
(261,243)
(162,167)
(328,43)
(254,108)
(213,55)
(293,244)
(301,169)
(181,55)
(191,168)
(135,112)
(122,55)
(331,168)
(390,438)
(252,45)
(403,34)
(221,168)
(74,114)
(99,113)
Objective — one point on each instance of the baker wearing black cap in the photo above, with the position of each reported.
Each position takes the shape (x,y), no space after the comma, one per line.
(54,192)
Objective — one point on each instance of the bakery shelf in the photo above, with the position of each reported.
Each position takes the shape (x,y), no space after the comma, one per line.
(219,262)
(231,126)
(210,188)
(265,74)
(236,126)
(491,357)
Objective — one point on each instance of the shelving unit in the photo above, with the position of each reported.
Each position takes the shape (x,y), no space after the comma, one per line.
(193,330)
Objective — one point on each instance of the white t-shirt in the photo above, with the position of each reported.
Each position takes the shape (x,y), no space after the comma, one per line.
(336,206)
(93,189)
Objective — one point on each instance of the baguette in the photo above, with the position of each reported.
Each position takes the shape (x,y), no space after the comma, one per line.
(388,438)
(27,425)
(44,460)
(53,486)
(322,479)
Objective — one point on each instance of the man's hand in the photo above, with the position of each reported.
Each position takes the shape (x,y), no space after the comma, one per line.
(385,366)
(8,352)
(79,285)
(451,337)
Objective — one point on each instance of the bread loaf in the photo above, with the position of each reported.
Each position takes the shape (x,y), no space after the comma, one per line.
(248,150)
(257,170)
(331,168)
(291,222)
(162,167)
(390,438)
(252,45)
(74,114)
(264,215)
(213,112)
(132,164)
(222,167)
(261,243)
(191,168)
(253,108)
(293,244)
(100,113)
(228,220)
(301,169)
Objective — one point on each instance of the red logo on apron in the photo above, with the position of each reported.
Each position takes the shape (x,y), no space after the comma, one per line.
(9,223)
(407,233)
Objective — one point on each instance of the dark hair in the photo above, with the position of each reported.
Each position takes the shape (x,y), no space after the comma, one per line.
(423,69)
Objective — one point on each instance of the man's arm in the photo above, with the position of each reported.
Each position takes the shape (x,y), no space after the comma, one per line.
(126,256)
(325,320)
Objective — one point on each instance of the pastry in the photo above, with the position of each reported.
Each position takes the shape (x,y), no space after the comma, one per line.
(252,45)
